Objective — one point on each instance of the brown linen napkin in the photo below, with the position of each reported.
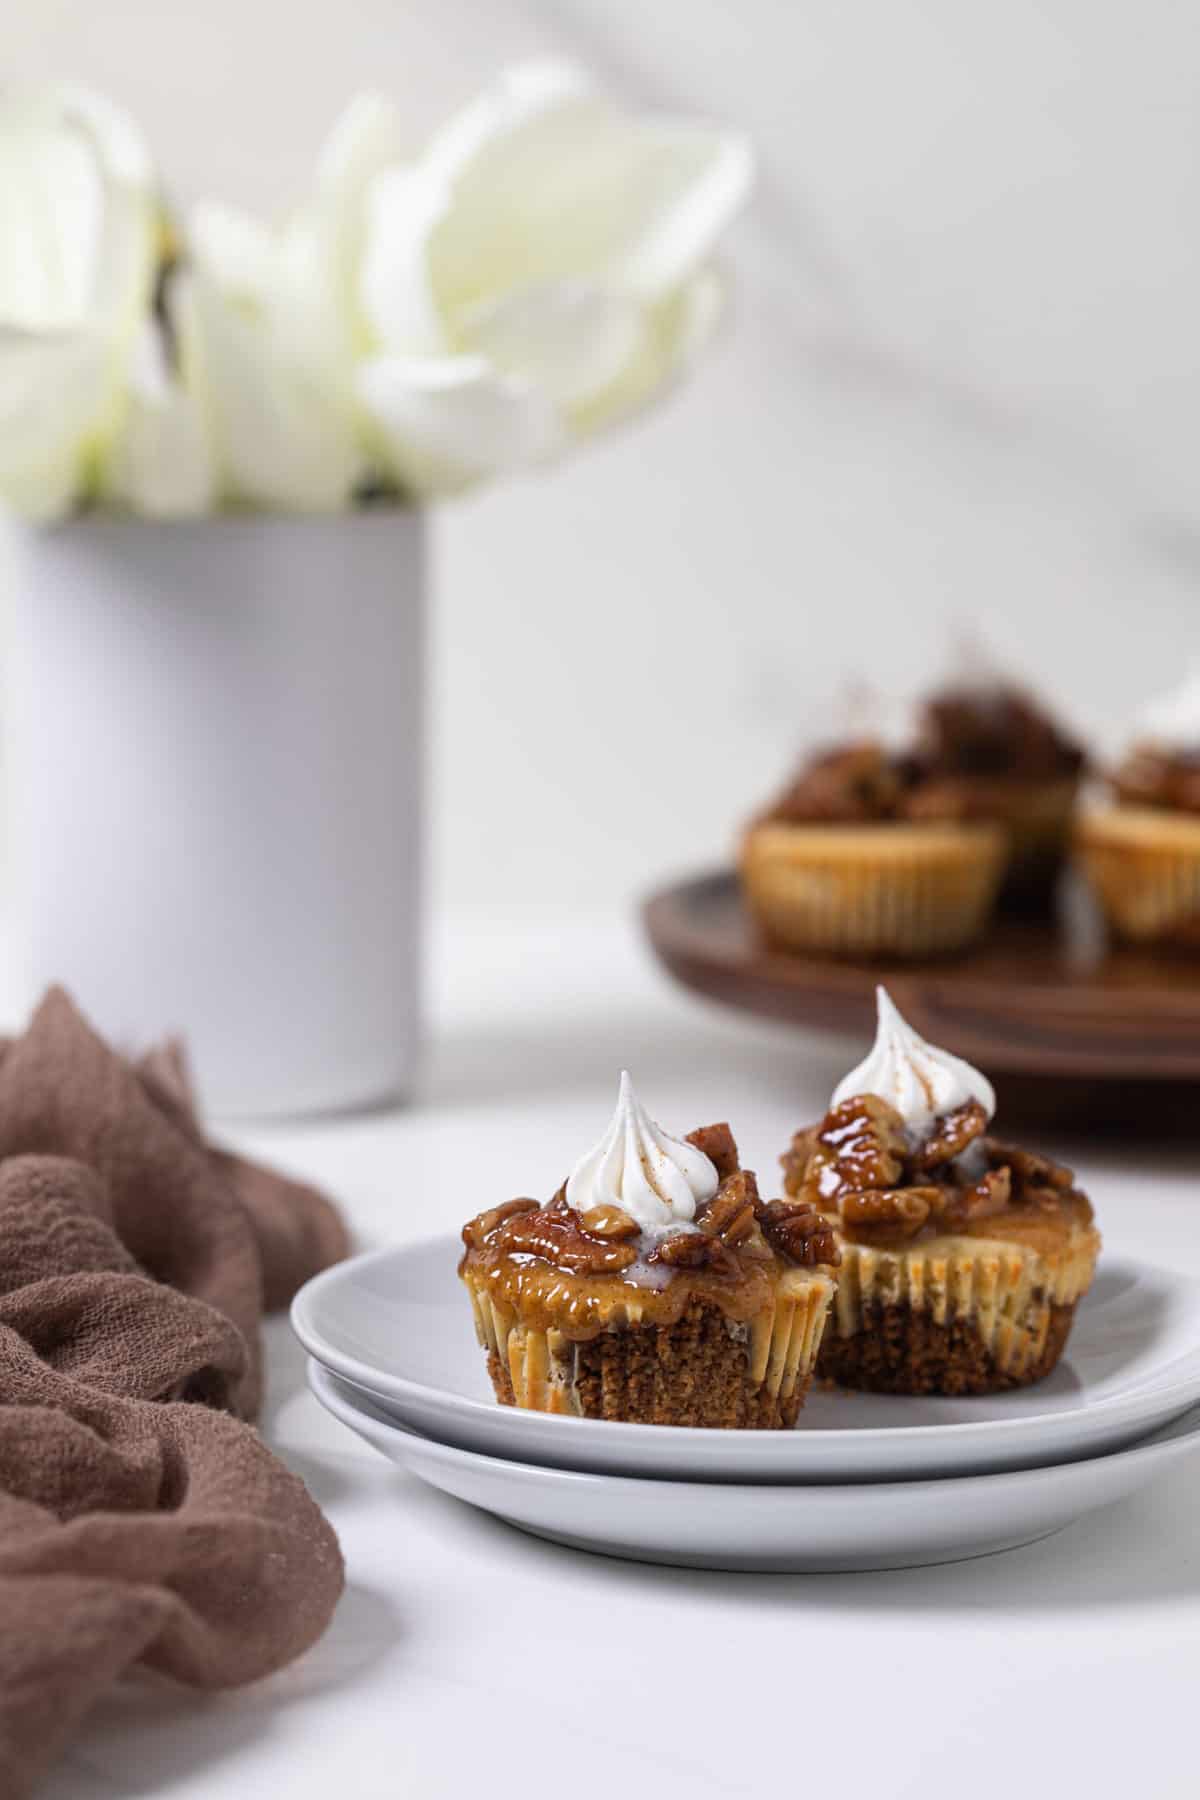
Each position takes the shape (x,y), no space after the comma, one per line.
(140,1520)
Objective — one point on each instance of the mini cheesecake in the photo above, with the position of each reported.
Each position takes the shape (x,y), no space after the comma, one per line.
(1139,846)
(992,748)
(901,848)
(840,864)
(655,1287)
(962,1258)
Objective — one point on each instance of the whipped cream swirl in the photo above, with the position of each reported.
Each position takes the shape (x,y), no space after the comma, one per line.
(658,1180)
(919,1080)
(1173,723)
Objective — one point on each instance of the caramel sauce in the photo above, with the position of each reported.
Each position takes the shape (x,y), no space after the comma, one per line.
(1030,1225)
(887,1193)
(579,1273)
(549,1298)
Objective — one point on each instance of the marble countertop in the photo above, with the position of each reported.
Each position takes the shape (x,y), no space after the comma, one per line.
(467,1658)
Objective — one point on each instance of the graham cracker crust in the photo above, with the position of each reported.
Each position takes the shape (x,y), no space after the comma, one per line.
(901,1351)
(693,1372)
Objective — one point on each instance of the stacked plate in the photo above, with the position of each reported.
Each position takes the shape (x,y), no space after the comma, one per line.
(863,1482)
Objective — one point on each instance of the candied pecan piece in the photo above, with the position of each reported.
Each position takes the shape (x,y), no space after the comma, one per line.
(694,1250)
(730,1214)
(556,1234)
(1153,777)
(609,1222)
(1047,1198)
(994,730)
(849,782)
(861,1147)
(475,1230)
(903,1210)
(1029,1168)
(799,1233)
(716,1142)
(989,1195)
(951,1134)
(796,1158)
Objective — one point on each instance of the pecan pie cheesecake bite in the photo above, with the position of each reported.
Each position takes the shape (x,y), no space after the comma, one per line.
(962,1257)
(655,1287)
(991,750)
(854,858)
(1140,846)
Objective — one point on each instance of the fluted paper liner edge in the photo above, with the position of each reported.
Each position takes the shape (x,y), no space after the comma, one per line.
(781,1349)
(911,890)
(1006,1291)
(1144,867)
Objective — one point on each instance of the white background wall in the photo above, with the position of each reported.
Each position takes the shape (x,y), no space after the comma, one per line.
(962,384)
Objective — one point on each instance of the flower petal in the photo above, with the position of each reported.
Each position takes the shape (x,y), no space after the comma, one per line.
(691,187)
(120,144)
(368,136)
(235,252)
(78,236)
(403,208)
(281,437)
(677,330)
(161,464)
(521,98)
(261,353)
(78,215)
(367,139)
(572,338)
(443,423)
(550,181)
(55,395)
(52,196)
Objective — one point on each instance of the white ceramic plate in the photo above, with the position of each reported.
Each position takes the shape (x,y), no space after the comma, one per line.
(721,1525)
(397,1324)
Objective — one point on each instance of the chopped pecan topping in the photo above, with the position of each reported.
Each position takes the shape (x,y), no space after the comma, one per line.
(609,1222)
(861,1144)
(475,1230)
(1029,1168)
(694,1250)
(730,1214)
(847,783)
(859,1163)
(799,1233)
(556,1234)
(968,739)
(902,1210)
(950,1136)
(990,1195)
(993,730)
(796,1158)
(1163,778)
(716,1142)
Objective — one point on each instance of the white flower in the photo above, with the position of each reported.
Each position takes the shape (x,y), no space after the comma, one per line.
(161,462)
(432,318)
(541,269)
(79,229)
(259,350)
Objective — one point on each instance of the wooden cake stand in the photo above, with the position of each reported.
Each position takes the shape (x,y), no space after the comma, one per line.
(1072,1028)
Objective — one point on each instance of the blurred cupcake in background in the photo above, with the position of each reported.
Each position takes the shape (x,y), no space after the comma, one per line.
(989,749)
(897,837)
(840,863)
(853,858)
(1139,843)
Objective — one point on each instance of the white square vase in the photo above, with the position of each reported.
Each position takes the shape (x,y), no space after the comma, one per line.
(214,759)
